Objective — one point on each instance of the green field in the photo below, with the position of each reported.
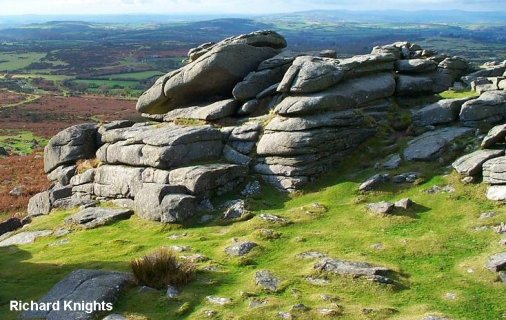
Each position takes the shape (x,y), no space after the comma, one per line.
(17,61)
(20,142)
(142,75)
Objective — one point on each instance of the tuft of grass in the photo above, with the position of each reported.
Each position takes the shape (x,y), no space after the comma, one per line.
(453,94)
(189,122)
(84,165)
(161,269)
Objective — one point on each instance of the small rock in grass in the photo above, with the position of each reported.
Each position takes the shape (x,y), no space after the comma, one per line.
(469,180)
(60,242)
(374,181)
(273,218)
(267,280)
(299,307)
(487,215)
(497,262)
(256,302)
(317,281)
(61,232)
(502,242)
(328,297)
(210,313)
(377,246)
(219,300)
(439,189)
(251,189)
(172,292)
(382,207)
(502,276)
(181,248)
(285,315)
(450,296)
(115,316)
(500,229)
(267,234)
(240,248)
(310,255)
(146,289)
(196,258)
(234,209)
(330,312)
(435,317)
(404,204)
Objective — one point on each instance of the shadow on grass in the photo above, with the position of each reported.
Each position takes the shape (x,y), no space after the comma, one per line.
(27,281)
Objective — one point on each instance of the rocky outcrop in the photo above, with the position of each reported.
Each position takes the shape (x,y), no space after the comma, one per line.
(489,162)
(239,107)
(226,63)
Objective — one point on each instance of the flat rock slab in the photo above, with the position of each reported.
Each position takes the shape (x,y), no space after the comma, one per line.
(24,237)
(219,300)
(471,164)
(351,268)
(267,280)
(497,262)
(443,111)
(202,179)
(82,285)
(95,217)
(213,111)
(495,135)
(431,144)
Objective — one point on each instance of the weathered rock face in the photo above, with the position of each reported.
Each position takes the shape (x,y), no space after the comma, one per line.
(248,108)
(226,63)
(163,203)
(160,146)
(95,217)
(443,111)
(431,144)
(70,145)
(490,108)
(471,164)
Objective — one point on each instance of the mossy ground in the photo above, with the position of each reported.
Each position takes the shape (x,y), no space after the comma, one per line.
(434,249)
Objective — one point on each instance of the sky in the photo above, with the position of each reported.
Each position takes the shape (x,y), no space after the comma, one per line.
(85,7)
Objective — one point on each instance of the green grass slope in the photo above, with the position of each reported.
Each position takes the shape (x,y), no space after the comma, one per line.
(434,248)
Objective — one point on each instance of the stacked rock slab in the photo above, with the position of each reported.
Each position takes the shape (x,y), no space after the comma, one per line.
(238,107)
(489,163)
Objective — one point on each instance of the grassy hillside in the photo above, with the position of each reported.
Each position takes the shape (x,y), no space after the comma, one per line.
(434,248)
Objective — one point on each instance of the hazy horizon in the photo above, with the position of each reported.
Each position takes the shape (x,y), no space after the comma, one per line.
(230,7)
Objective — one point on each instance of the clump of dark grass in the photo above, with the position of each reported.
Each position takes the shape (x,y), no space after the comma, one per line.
(161,269)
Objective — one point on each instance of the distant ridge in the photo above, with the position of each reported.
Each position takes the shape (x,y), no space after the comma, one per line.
(383,16)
